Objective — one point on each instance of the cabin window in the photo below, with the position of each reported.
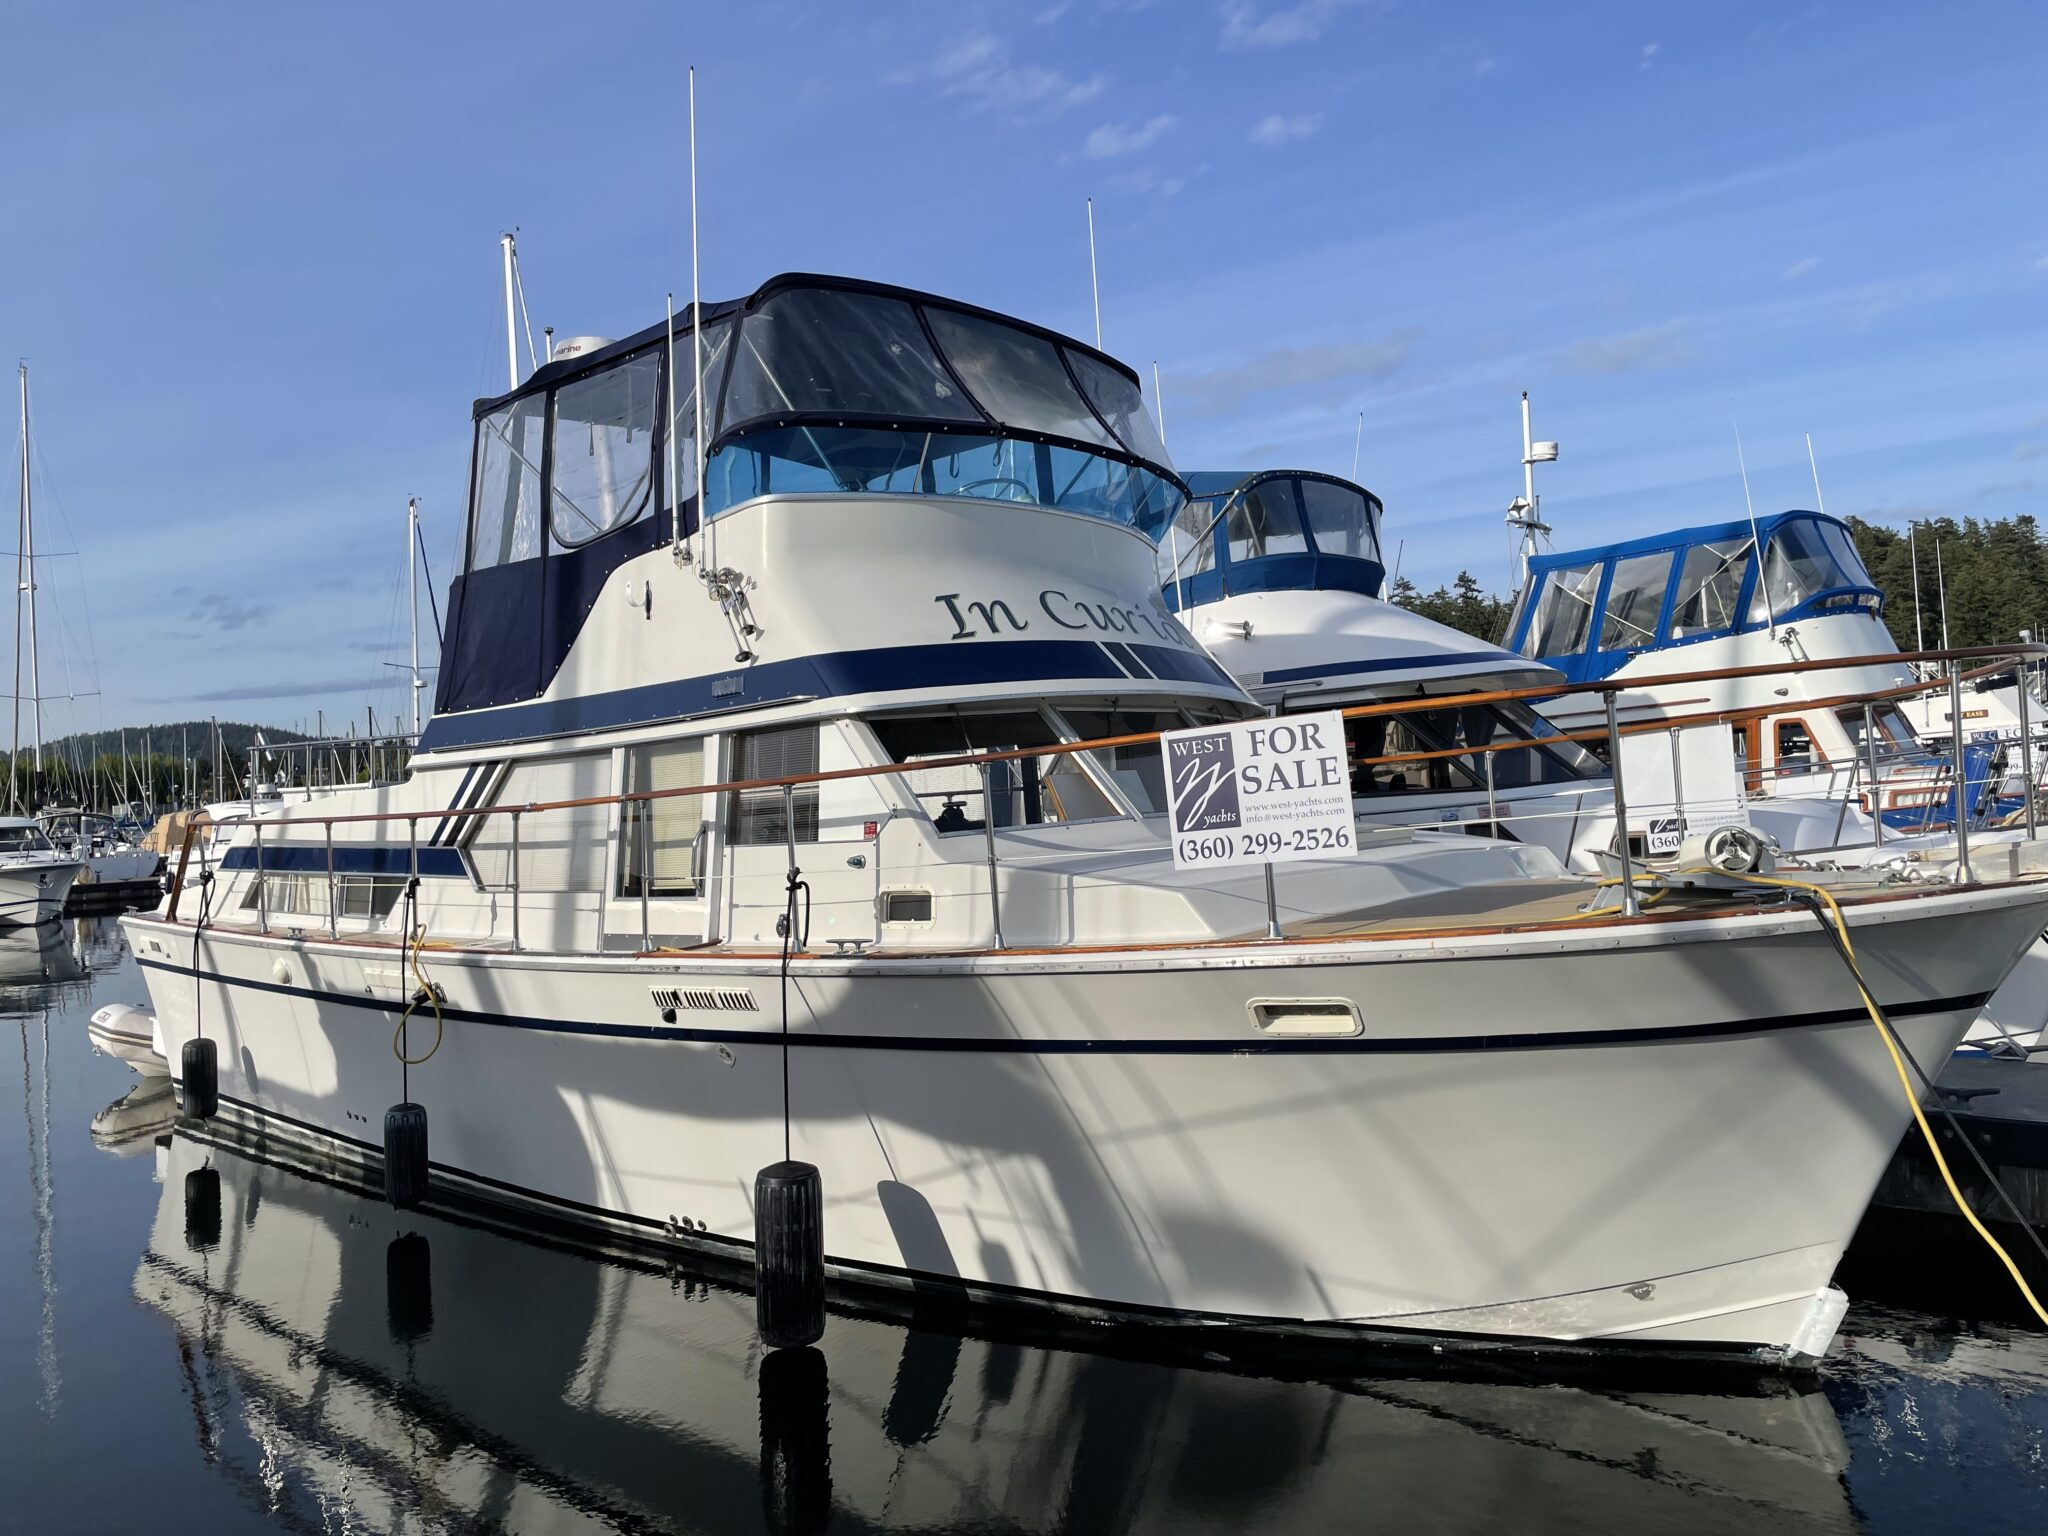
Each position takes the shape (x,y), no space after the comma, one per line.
(758,814)
(1265,521)
(1894,733)
(1795,747)
(1024,791)
(505,520)
(1448,731)
(1341,520)
(659,838)
(812,350)
(1564,617)
(1634,600)
(1805,558)
(1138,769)
(1709,587)
(1018,377)
(559,850)
(603,465)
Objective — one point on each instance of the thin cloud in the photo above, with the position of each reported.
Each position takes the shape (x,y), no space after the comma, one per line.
(216,611)
(1275,130)
(1481,68)
(1113,139)
(1656,346)
(289,690)
(1248,25)
(979,67)
(1223,391)
(1800,268)
(1649,55)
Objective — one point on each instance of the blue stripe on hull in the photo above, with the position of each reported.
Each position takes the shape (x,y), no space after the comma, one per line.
(288,858)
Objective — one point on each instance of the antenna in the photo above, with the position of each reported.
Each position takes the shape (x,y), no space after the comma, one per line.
(1159,402)
(1913,544)
(1357,442)
(1524,511)
(1094,284)
(697,334)
(1940,588)
(1755,539)
(1819,505)
(525,319)
(506,241)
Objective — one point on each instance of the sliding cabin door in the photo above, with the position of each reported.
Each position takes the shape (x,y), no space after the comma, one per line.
(659,887)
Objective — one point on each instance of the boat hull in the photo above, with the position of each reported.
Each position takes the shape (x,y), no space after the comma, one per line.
(1654,1134)
(31,894)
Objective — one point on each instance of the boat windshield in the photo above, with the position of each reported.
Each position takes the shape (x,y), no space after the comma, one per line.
(23,840)
(1447,731)
(857,391)
(988,466)
(1805,558)
(1270,514)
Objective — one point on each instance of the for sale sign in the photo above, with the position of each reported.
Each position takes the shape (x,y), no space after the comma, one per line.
(1259,791)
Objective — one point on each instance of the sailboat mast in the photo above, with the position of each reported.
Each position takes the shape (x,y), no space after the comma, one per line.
(28,548)
(20,587)
(412,599)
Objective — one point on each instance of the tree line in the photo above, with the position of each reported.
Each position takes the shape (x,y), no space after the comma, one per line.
(1989,574)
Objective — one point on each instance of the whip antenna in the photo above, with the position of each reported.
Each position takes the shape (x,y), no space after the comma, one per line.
(697,333)
(1755,539)
(1094,284)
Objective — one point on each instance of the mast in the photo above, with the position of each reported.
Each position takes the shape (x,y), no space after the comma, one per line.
(1913,545)
(1524,511)
(28,548)
(20,590)
(412,598)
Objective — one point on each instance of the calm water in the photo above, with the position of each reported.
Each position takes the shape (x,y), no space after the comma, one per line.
(191,1340)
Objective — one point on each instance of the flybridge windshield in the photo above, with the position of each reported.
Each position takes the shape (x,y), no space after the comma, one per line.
(817,386)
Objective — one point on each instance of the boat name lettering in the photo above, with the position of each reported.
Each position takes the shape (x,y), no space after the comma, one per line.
(726,687)
(973,618)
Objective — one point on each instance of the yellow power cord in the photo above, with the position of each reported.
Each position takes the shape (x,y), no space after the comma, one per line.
(1912,1098)
(433,1000)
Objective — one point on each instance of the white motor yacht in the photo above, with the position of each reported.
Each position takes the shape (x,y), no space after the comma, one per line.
(756,824)
(35,876)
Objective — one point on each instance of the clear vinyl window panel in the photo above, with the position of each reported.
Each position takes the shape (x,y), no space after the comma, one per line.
(1017,377)
(1265,520)
(1188,547)
(559,850)
(603,464)
(811,351)
(1804,559)
(1709,587)
(1635,599)
(1564,614)
(661,839)
(505,509)
(296,895)
(1341,521)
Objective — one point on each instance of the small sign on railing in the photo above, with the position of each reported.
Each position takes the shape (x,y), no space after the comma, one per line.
(1259,791)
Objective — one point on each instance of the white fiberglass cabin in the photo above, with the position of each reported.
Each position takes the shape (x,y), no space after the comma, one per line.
(713,869)
(1279,574)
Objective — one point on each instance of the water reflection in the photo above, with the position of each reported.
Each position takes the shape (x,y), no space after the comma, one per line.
(419,1371)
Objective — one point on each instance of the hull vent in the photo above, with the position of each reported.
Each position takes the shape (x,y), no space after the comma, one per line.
(714,1000)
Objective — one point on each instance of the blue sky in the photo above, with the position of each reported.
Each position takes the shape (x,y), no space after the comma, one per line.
(251,255)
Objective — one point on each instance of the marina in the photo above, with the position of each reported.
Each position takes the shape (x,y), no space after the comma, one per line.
(701,837)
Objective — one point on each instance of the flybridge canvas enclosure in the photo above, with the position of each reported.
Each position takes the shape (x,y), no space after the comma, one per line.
(1274,530)
(1261,791)
(1679,783)
(812,385)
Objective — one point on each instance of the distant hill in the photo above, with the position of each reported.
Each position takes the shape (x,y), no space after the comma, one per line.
(164,740)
